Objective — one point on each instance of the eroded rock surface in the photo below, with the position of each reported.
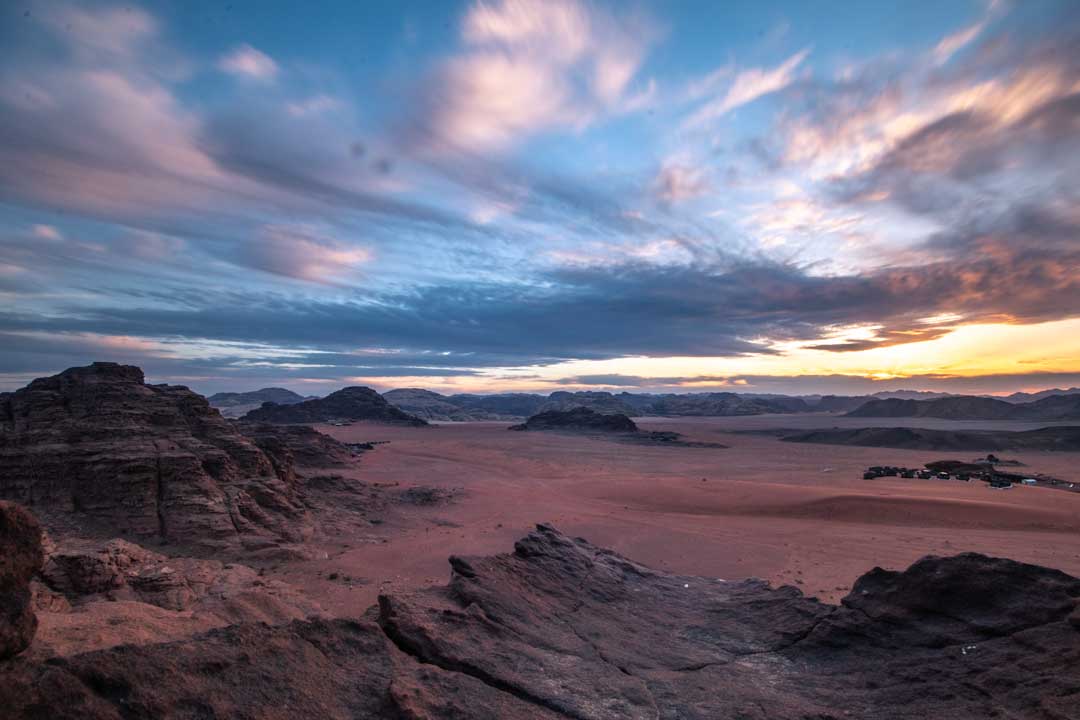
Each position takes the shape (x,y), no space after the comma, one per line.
(97,450)
(298,445)
(94,594)
(20,559)
(562,629)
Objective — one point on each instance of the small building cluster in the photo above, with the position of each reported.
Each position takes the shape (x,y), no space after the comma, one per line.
(877,471)
(982,469)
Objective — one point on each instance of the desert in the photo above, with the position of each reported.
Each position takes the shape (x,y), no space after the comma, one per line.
(340,535)
(539,360)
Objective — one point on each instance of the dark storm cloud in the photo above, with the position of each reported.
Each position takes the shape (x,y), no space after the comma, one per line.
(1021,267)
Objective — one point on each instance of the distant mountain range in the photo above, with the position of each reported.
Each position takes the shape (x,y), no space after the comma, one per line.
(433,406)
(1052,407)
(1029,397)
(236,404)
(347,404)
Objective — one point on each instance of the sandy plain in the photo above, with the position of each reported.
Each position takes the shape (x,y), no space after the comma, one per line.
(788,513)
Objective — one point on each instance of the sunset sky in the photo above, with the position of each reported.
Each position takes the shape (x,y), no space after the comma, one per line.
(839,197)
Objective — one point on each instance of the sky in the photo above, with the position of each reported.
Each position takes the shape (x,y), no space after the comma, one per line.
(515,195)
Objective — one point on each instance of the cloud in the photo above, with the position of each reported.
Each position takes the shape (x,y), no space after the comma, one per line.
(951,44)
(313,105)
(138,161)
(300,255)
(246,61)
(46,232)
(1019,268)
(676,183)
(747,86)
(528,66)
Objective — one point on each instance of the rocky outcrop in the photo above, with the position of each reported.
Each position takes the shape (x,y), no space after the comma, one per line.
(95,450)
(300,445)
(90,571)
(347,404)
(579,419)
(235,404)
(562,629)
(582,420)
(97,594)
(20,559)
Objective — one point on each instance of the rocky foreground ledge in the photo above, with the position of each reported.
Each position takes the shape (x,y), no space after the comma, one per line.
(562,629)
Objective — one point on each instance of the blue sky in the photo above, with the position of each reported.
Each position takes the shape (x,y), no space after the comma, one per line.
(770,197)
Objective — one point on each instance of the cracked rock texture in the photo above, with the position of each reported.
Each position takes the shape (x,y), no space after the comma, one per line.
(562,629)
(95,449)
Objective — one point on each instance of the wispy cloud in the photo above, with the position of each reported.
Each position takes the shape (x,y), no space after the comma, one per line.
(679,182)
(528,66)
(246,61)
(747,86)
(300,254)
(951,44)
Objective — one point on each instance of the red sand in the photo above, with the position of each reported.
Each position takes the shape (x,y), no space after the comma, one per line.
(788,513)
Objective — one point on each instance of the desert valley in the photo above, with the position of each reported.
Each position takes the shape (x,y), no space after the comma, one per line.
(179,545)
(539,360)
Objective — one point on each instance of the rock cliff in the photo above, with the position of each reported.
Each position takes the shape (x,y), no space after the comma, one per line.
(98,451)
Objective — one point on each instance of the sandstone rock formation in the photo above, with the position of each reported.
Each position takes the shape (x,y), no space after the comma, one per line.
(617,427)
(96,594)
(20,558)
(305,446)
(579,419)
(562,629)
(351,403)
(97,451)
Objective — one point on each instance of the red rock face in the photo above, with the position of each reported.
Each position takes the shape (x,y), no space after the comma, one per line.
(101,449)
(20,558)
